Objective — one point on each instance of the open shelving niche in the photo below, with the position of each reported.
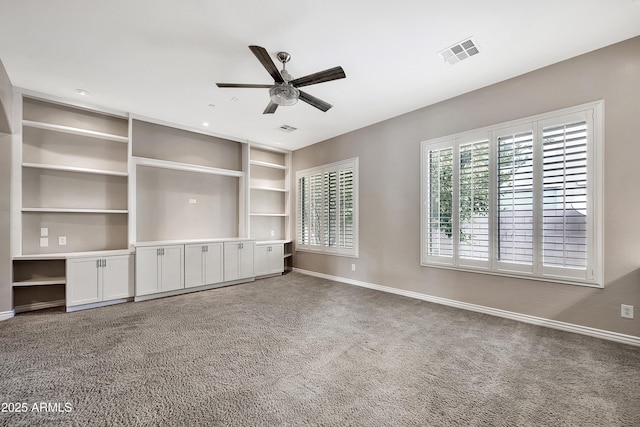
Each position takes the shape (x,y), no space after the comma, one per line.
(72,182)
(270,198)
(184,183)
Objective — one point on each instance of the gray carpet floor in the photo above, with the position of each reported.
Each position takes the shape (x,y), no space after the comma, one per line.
(298,350)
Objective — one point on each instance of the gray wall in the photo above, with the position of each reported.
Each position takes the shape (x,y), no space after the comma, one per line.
(5,191)
(390,191)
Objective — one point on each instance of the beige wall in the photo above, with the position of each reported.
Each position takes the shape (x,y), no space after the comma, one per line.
(390,191)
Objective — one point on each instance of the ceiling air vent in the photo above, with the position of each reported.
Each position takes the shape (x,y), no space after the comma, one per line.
(287,128)
(459,51)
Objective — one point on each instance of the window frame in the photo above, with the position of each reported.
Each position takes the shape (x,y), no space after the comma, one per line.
(322,169)
(594,272)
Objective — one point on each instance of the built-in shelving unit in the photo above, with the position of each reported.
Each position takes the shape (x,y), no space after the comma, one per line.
(269,201)
(91,187)
(70,194)
(74,178)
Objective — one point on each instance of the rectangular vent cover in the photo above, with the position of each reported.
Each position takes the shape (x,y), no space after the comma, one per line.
(460,51)
(287,128)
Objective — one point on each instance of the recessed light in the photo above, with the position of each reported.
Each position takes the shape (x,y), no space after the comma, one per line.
(211,105)
(82,92)
(234,99)
(205,124)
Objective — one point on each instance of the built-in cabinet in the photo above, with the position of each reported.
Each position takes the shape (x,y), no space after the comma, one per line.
(238,260)
(268,259)
(94,189)
(98,279)
(159,269)
(203,264)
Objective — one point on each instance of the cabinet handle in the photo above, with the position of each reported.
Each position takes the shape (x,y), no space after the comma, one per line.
(104,262)
(162,251)
(97,263)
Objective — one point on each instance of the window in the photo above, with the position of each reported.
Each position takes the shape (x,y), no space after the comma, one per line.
(327,201)
(522,198)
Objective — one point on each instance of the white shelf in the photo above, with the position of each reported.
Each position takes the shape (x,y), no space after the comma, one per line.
(166,164)
(79,210)
(268,214)
(281,190)
(267,164)
(287,255)
(75,131)
(73,169)
(41,281)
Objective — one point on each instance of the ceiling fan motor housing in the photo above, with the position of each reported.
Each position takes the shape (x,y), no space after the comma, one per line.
(284,94)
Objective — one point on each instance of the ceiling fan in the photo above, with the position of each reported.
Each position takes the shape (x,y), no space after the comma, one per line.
(285,90)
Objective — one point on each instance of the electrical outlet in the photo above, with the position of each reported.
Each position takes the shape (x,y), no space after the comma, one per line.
(626,311)
(62,240)
(44,232)
(44,242)
(273,233)
(353,267)
(193,201)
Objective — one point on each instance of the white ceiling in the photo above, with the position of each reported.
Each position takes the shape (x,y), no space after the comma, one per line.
(161,58)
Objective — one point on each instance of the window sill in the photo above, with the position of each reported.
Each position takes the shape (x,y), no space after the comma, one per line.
(327,252)
(590,284)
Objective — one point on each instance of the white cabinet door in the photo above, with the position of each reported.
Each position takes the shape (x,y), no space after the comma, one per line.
(246,259)
(172,268)
(261,260)
(194,266)
(213,264)
(276,259)
(83,281)
(117,277)
(147,270)
(231,261)
(238,260)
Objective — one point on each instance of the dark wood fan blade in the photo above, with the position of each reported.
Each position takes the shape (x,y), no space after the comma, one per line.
(320,77)
(271,108)
(316,102)
(243,85)
(264,58)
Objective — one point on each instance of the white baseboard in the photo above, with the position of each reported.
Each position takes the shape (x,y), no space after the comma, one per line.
(39,306)
(4,315)
(540,321)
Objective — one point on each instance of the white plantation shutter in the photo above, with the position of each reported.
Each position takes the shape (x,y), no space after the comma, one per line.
(439,238)
(473,236)
(346,226)
(315,210)
(329,195)
(330,220)
(515,198)
(304,200)
(565,215)
(519,199)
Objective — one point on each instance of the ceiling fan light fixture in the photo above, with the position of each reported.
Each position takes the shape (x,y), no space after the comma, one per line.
(284,94)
